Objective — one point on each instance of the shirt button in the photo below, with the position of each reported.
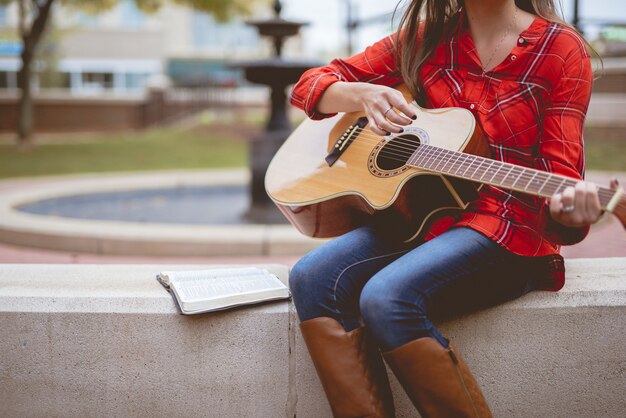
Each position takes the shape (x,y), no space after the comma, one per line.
(513,57)
(472,106)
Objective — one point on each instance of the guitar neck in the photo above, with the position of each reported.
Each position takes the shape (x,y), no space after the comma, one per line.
(497,173)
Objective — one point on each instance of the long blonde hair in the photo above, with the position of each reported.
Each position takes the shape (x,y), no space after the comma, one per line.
(436,15)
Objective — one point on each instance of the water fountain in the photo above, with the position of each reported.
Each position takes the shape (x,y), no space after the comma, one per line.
(172,213)
(277,73)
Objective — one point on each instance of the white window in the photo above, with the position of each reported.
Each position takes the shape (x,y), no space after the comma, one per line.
(209,34)
(132,17)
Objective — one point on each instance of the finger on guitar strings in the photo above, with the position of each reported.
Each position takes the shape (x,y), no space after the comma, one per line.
(558,204)
(375,129)
(397,118)
(384,125)
(390,120)
(592,202)
(572,210)
(587,203)
(614,183)
(569,196)
(404,109)
(373,126)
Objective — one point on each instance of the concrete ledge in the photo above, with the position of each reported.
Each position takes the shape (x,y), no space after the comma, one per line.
(107,341)
(130,238)
(89,341)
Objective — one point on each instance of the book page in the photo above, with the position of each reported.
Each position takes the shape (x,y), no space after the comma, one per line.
(223,286)
(211,284)
(205,274)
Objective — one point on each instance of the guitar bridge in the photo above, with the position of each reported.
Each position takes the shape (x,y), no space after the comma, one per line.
(348,136)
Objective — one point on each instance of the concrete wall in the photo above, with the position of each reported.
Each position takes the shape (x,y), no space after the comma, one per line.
(107,341)
(94,341)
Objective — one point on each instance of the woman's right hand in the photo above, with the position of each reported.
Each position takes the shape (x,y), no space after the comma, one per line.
(386,108)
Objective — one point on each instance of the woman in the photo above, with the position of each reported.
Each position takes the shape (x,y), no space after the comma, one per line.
(526,77)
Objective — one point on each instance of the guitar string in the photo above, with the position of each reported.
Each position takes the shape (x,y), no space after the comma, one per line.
(474,162)
(522,171)
(516,175)
(549,183)
(548,186)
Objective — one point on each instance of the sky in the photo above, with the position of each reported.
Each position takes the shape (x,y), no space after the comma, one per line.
(326,35)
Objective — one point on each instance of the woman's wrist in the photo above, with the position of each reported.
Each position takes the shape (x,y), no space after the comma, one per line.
(343,96)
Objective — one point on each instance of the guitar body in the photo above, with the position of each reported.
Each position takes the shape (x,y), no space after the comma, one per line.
(335,175)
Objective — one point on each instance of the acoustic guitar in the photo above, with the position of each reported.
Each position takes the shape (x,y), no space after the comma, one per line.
(334,175)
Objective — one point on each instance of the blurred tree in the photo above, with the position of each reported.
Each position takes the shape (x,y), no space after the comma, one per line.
(33,20)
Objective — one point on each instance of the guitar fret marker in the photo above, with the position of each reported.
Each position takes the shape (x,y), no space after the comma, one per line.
(543,184)
(474,173)
(517,179)
(494,174)
(531,180)
(486,171)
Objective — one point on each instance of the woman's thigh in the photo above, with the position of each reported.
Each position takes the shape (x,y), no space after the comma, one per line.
(328,280)
(459,271)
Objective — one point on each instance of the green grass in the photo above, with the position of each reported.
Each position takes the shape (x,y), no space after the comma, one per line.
(204,147)
(149,150)
(605,155)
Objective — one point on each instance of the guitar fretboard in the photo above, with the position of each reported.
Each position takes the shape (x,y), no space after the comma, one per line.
(495,173)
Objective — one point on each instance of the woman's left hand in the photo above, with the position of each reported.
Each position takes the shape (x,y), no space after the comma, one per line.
(576,206)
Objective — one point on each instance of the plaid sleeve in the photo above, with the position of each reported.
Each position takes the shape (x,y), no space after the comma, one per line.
(374,65)
(561,148)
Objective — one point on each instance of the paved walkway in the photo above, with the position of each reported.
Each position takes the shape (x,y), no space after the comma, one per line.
(606,239)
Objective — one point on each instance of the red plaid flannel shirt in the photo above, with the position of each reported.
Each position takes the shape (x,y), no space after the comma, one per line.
(531,108)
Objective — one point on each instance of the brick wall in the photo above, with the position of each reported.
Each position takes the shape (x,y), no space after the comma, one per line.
(64,113)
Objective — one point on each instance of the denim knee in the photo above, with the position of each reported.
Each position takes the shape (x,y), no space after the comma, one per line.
(298,278)
(310,289)
(393,320)
(301,284)
(380,310)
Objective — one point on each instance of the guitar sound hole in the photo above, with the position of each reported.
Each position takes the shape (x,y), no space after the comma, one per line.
(397,151)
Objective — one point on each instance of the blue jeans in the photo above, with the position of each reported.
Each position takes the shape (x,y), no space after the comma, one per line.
(395,289)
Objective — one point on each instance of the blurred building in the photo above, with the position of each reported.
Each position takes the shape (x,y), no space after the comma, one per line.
(121,50)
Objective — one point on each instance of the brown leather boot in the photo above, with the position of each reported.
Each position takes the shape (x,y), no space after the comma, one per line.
(350,368)
(437,380)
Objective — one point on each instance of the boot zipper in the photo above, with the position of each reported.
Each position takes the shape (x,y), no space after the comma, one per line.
(458,372)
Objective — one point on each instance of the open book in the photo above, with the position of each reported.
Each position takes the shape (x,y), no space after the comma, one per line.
(198,291)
